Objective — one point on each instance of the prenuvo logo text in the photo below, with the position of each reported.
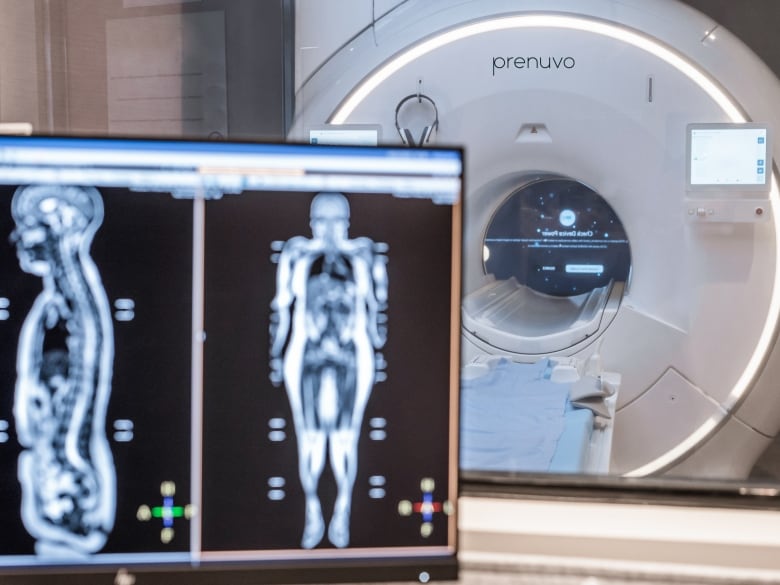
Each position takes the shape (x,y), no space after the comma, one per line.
(533,63)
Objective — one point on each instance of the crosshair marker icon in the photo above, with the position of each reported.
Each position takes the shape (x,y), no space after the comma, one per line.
(167,512)
(426,507)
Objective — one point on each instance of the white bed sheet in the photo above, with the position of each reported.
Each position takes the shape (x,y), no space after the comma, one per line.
(514,419)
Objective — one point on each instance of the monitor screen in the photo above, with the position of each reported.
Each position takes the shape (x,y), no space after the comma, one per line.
(352,134)
(232,362)
(729,156)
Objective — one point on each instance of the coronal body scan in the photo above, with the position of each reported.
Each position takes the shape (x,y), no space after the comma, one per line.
(64,368)
(328,321)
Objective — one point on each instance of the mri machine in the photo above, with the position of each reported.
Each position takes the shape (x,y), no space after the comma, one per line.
(578,118)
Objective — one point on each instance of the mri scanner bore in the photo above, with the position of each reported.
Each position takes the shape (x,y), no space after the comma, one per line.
(557,237)
(554,252)
(621,287)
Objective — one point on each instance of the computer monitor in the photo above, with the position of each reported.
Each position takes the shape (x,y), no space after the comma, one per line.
(227,362)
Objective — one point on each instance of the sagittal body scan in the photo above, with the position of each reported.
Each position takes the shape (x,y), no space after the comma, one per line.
(327,324)
(64,367)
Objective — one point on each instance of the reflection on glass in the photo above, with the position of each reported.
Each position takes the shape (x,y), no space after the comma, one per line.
(558,258)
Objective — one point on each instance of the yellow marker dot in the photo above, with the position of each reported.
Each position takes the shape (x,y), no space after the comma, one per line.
(166,535)
(190,510)
(448,508)
(426,529)
(143,514)
(405,508)
(168,489)
(427,484)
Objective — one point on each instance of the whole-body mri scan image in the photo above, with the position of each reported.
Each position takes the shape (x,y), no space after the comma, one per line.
(319,375)
(64,368)
(328,321)
(90,336)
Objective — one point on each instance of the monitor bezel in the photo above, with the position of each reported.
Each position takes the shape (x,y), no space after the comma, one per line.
(434,563)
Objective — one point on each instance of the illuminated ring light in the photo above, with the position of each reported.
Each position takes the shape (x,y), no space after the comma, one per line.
(684,66)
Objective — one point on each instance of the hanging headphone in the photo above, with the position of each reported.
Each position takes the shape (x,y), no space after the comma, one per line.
(405,133)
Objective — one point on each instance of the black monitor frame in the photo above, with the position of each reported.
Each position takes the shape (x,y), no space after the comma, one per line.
(204,177)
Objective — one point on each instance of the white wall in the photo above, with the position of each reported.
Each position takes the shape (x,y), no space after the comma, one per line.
(327,26)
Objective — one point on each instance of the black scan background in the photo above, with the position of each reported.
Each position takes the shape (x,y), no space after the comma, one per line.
(239,399)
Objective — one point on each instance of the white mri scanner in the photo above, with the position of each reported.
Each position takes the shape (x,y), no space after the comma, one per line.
(578,114)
